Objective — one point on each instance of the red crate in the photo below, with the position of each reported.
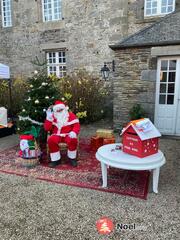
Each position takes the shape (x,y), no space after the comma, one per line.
(96,142)
(132,144)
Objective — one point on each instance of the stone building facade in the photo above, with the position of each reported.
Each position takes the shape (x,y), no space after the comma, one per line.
(147,70)
(84,32)
(134,33)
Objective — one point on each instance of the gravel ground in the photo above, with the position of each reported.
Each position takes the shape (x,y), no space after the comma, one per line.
(33,210)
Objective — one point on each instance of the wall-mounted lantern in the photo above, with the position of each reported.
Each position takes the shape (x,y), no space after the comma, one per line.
(106,69)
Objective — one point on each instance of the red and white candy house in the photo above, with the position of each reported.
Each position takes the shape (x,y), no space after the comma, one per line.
(140,138)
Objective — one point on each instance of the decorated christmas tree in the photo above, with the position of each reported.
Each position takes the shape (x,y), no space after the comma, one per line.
(40,95)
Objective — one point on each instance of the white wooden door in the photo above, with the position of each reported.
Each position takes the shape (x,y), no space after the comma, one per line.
(177,131)
(167,107)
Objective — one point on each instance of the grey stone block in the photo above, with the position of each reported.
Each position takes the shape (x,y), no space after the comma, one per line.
(148,75)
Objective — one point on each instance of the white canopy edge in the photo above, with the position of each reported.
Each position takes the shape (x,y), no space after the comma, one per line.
(3,116)
(4,71)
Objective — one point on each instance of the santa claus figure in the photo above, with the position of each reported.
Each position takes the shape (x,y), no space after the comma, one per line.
(64,127)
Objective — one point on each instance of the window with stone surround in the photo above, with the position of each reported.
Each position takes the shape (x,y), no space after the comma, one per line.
(56,63)
(6,13)
(52,10)
(158,7)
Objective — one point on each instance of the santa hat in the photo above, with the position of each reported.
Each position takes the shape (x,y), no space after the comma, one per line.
(59,105)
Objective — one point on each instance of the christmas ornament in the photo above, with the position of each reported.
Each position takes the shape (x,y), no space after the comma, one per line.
(37,101)
(47,97)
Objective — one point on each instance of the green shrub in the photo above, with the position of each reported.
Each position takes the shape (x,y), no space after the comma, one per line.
(136,112)
(19,87)
(85,94)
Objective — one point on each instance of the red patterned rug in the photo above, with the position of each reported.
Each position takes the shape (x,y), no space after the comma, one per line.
(86,175)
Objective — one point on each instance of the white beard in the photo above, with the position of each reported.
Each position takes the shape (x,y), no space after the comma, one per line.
(61,117)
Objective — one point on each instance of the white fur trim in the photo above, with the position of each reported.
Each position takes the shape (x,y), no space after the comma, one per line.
(68,123)
(72,154)
(61,134)
(72,122)
(59,131)
(55,156)
(72,134)
(58,106)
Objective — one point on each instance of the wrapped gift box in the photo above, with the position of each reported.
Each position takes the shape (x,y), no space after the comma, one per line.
(108,140)
(96,142)
(104,133)
(140,138)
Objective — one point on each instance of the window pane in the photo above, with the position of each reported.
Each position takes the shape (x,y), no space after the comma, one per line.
(154,4)
(162,88)
(172,65)
(171,88)
(162,99)
(148,11)
(170,99)
(170,9)
(154,10)
(164,65)
(172,76)
(170,2)
(164,2)
(163,10)
(148,5)
(163,77)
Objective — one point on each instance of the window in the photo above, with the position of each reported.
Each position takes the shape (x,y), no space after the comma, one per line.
(158,7)
(51,10)
(167,82)
(6,13)
(56,63)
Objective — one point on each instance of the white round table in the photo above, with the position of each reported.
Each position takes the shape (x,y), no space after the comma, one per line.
(110,155)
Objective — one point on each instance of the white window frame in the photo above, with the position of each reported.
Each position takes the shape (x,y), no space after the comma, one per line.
(159,13)
(6,10)
(56,59)
(51,15)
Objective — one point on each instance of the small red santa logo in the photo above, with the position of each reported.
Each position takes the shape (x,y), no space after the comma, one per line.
(104,225)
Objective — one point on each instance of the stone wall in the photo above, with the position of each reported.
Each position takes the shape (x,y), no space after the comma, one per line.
(136,19)
(86,30)
(134,82)
(135,76)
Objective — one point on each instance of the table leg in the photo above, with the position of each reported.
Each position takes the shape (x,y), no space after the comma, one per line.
(104,174)
(155,179)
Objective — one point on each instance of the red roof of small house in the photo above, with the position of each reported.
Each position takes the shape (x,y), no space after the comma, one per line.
(144,128)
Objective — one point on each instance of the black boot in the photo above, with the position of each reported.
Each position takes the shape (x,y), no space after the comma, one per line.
(53,164)
(73,162)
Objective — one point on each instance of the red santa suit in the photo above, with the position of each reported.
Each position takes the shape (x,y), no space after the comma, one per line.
(63,129)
